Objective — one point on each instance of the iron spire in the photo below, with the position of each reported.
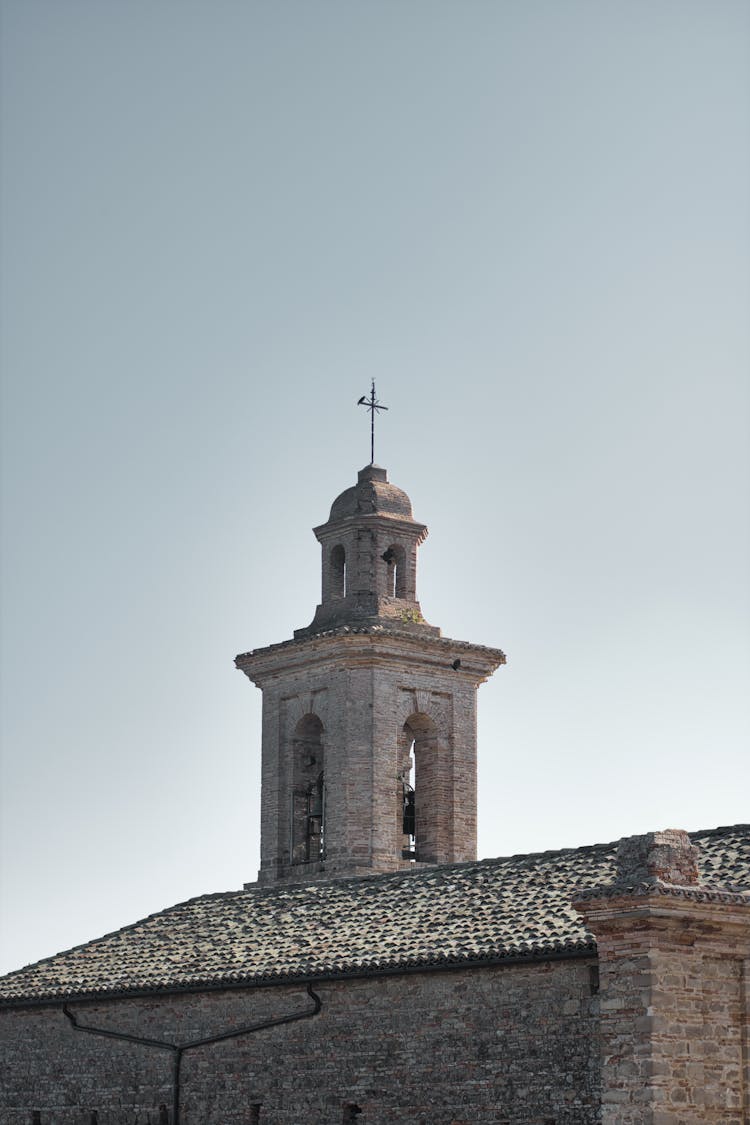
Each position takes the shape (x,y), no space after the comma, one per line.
(372,405)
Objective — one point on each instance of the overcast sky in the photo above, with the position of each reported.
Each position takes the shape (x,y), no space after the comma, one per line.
(530,222)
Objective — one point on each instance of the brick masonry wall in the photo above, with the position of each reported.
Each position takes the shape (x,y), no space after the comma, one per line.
(364,689)
(516,1045)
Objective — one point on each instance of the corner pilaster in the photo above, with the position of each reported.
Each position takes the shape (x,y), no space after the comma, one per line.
(674,963)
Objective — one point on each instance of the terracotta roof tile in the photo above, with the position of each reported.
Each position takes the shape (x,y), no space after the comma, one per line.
(472,912)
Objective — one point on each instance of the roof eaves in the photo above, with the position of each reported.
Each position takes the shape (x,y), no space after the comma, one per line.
(572,951)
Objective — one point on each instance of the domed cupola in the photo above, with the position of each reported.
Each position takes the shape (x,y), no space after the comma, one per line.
(369,563)
(372,493)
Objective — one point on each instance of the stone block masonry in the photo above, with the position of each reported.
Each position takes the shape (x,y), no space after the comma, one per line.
(470,1047)
(674,960)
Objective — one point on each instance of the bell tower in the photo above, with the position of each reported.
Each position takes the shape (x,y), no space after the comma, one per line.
(369,714)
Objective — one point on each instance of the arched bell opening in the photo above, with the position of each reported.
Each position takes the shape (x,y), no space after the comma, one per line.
(337,570)
(418,788)
(396,581)
(308,791)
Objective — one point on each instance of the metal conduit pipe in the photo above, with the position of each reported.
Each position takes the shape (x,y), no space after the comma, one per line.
(179,1049)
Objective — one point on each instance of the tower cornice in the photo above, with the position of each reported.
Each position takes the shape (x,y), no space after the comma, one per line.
(375,645)
(384,520)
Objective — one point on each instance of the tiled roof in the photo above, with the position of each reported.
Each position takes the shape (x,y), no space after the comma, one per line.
(471,912)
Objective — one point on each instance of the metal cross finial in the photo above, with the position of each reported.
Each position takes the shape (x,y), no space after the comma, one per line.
(372,405)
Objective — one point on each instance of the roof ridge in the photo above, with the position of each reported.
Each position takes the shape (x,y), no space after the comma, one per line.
(724,830)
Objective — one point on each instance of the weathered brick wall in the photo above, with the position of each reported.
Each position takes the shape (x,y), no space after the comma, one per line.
(516,1045)
(364,689)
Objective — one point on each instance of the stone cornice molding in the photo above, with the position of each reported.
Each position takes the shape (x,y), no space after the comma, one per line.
(608,893)
(329,531)
(372,644)
(703,910)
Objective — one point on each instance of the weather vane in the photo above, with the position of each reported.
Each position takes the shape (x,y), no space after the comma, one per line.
(372,405)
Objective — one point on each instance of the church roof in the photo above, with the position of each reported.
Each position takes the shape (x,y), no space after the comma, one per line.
(458,914)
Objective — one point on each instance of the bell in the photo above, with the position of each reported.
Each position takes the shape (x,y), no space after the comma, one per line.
(409,822)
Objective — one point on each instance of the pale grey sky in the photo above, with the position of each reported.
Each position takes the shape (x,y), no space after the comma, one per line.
(530,222)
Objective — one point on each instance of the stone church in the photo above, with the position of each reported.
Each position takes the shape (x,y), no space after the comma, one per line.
(377,971)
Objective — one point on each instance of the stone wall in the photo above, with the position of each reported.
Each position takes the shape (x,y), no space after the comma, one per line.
(486,1045)
(674,968)
(672,1027)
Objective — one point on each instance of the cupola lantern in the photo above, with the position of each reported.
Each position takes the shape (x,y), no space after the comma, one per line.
(369,556)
